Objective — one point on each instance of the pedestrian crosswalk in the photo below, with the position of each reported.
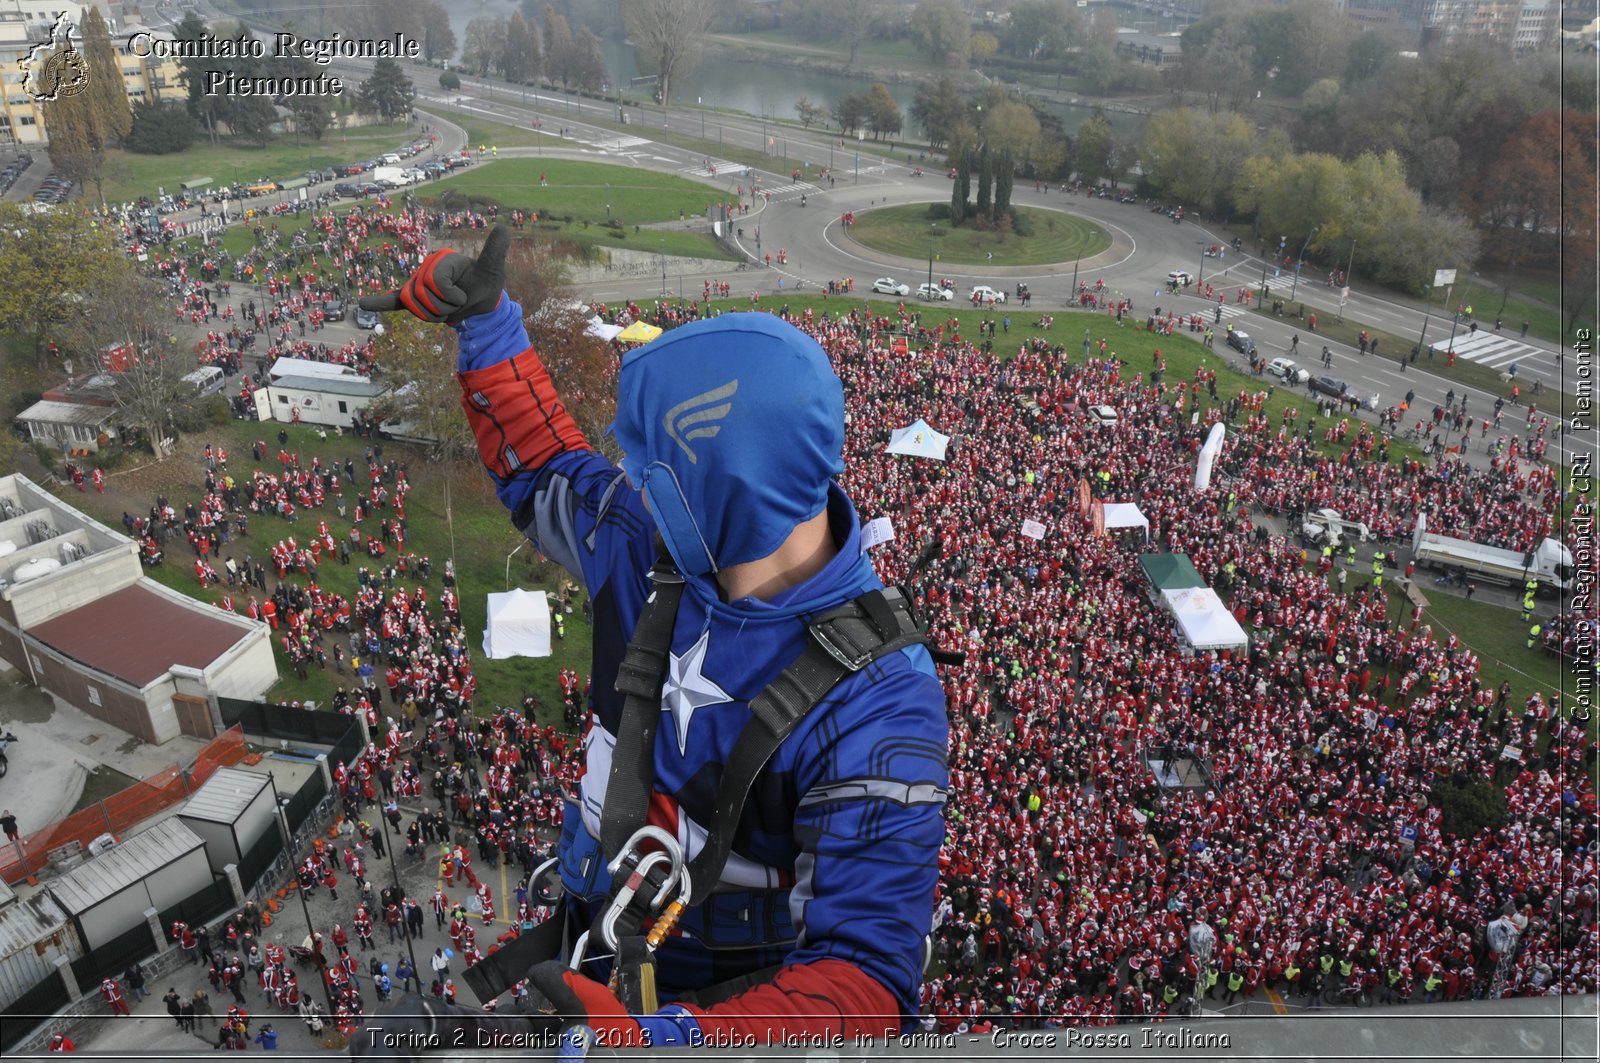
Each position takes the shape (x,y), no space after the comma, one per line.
(1493,349)
(622,143)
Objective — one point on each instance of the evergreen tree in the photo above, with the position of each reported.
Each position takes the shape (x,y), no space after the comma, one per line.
(81,127)
(388,93)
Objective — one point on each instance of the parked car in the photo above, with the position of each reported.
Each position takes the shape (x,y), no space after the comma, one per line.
(346,188)
(890,286)
(1179,277)
(1241,342)
(1103,416)
(934,291)
(1328,385)
(1287,371)
(983,294)
(366,318)
(333,309)
(370,189)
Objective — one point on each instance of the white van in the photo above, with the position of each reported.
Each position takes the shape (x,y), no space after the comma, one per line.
(207,380)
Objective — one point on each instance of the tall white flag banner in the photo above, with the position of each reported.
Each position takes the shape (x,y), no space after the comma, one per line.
(1033,529)
(1208,457)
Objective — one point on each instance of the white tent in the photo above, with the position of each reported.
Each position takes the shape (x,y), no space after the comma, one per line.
(603,330)
(1126,515)
(1204,620)
(918,441)
(519,625)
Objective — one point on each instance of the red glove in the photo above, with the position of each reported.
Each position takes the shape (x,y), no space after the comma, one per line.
(581,1000)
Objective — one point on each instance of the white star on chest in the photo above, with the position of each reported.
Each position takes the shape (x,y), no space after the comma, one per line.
(687,689)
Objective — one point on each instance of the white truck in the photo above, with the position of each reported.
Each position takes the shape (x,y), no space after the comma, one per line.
(1550,563)
(391,176)
(1325,527)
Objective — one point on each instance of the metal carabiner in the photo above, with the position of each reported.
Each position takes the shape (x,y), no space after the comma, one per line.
(670,847)
(630,889)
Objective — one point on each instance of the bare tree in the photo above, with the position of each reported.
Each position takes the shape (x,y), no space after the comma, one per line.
(667,35)
(125,308)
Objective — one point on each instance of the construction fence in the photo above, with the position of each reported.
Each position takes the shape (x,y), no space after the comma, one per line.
(122,811)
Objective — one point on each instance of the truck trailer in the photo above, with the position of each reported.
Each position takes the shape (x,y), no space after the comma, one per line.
(1549,564)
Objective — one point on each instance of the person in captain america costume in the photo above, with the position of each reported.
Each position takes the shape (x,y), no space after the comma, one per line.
(732,431)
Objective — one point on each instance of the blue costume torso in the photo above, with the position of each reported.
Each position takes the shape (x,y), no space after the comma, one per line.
(835,855)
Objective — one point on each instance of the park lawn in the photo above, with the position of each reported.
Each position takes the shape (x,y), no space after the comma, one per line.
(129,176)
(907,231)
(483,539)
(580,197)
(502,135)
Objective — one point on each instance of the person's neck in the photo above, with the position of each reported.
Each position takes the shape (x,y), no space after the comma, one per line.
(806,551)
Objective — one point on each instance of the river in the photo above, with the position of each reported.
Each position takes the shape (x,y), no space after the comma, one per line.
(760,88)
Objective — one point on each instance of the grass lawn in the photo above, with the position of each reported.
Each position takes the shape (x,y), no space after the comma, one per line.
(907,231)
(129,176)
(581,196)
(501,135)
(483,539)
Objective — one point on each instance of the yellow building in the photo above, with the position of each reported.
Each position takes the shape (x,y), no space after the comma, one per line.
(24,24)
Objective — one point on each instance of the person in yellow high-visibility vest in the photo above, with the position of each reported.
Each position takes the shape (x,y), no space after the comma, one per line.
(1377,570)
(1533,635)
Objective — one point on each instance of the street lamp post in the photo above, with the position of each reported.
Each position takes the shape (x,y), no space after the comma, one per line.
(395,871)
(288,847)
(1349,269)
(1201,277)
(1299,260)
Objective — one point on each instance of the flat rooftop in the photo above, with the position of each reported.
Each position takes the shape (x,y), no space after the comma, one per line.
(136,634)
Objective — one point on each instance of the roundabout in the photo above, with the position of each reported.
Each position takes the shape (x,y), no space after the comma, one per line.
(1041,236)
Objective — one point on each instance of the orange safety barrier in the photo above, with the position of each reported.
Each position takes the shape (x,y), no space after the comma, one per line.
(124,810)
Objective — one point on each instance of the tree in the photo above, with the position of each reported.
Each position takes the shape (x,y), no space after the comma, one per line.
(438,38)
(519,50)
(449,80)
(81,127)
(49,260)
(809,113)
(127,307)
(1580,155)
(1039,29)
(481,51)
(883,113)
(855,22)
(941,31)
(938,109)
(1009,130)
(387,93)
(1093,146)
(852,111)
(667,36)
(429,402)
(590,72)
(1194,157)
(160,128)
(560,52)
(1520,192)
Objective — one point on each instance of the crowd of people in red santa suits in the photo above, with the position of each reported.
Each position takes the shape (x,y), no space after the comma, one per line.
(1070,873)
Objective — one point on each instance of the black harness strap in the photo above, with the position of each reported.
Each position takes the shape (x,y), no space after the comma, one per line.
(843,640)
(640,677)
